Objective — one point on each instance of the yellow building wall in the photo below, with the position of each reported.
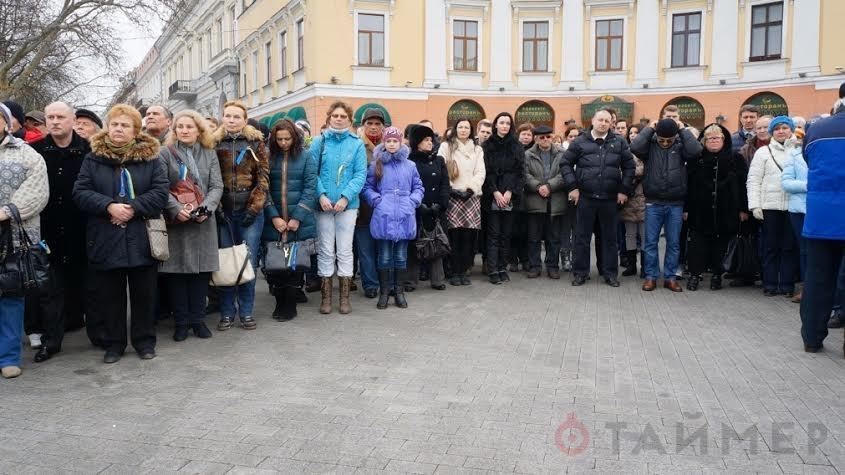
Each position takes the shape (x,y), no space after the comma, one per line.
(555,40)
(628,41)
(832,36)
(485,40)
(665,34)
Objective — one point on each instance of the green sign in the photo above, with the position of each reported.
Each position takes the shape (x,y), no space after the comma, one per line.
(464,109)
(360,113)
(624,110)
(536,112)
(770,103)
(690,110)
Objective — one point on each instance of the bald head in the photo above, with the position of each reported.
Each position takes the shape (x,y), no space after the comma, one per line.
(60,119)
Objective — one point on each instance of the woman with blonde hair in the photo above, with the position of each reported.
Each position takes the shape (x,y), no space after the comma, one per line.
(189,156)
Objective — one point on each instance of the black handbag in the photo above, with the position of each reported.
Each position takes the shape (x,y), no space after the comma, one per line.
(284,255)
(24,267)
(432,244)
(741,256)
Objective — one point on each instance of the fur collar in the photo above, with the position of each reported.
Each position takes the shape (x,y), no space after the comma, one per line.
(146,148)
(387,157)
(249,133)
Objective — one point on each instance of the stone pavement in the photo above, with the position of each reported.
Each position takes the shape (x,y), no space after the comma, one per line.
(532,376)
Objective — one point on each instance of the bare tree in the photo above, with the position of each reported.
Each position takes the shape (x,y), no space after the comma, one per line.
(64,49)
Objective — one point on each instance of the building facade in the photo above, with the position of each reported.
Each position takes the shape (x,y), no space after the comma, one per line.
(544,60)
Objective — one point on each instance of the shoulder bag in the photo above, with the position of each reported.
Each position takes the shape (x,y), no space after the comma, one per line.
(235,267)
(25,267)
(186,191)
(284,255)
(157,235)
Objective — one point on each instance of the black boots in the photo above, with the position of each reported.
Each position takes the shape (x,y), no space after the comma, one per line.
(630,263)
(692,283)
(400,296)
(286,298)
(384,283)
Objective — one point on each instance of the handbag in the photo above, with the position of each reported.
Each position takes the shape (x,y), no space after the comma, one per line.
(432,244)
(186,191)
(157,235)
(235,267)
(741,256)
(282,255)
(25,267)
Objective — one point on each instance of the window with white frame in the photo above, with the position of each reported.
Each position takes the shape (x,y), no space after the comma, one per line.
(465,45)
(268,60)
(255,70)
(609,41)
(766,31)
(535,46)
(219,25)
(370,39)
(686,39)
(283,53)
(200,56)
(232,24)
(243,80)
(300,44)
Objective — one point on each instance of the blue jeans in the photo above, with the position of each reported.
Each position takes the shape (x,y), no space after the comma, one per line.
(11,331)
(392,254)
(245,293)
(365,250)
(657,217)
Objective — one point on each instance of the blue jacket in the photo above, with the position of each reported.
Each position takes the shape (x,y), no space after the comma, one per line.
(824,150)
(342,166)
(794,181)
(739,138)
(395,197)
(297,178)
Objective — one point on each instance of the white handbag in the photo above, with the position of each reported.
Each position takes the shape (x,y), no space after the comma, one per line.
(235,267)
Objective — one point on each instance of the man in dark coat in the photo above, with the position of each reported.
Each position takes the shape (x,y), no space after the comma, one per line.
(604,180)
(748,115)
(63,229)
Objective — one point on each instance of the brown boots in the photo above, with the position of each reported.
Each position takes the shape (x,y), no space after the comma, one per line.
(326,301)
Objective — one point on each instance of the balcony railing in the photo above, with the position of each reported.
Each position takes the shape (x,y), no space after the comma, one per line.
(182,90)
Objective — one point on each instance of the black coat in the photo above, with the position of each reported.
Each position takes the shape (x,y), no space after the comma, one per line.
(717,214)
(665,175)
(62,222)
(435,180)
(98,186)
(504,164)
(598,171)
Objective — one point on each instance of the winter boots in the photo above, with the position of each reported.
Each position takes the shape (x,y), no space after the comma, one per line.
(326,296)
(630,263)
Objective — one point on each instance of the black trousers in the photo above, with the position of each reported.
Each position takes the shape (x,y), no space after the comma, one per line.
(61,307)
(588,212)
(462,241)
(706,251)
(499,228)
(279,282)
(823,260)
(545,228)
(186,295)
(110,304)
(519,239)
(780,252)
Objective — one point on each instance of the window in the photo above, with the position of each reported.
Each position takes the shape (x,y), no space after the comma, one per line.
(686,39)
(255,70)
(200,56)
(609,35)
(234,22)
(766,31)
(283,57)
(219,35)
(208,44)
(300,44)
(370,40)
(465,45)
(268,58)
(535,46)
(190,63)
(243,72)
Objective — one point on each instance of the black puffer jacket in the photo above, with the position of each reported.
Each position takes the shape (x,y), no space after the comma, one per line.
(598,171)
(665,176)
(504,163)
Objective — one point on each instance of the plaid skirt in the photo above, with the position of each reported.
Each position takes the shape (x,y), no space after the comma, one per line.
(464,213)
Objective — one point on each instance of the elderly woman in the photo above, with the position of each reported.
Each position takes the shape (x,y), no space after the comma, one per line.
(716,204)
(192,229)
(769,203)
(24,184)
(122,183)
(244,167)
(290,216)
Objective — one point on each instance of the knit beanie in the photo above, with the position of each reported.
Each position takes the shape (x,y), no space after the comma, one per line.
(16,111)
(781,119)
(391,133)
(7,117)
(666,128)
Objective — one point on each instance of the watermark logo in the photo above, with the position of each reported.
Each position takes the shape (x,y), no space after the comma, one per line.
(572,437)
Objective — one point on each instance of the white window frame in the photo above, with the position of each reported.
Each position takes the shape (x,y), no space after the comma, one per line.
(386,16)
(221,32)
(268,62)
(625,20)
(749,5)
(704,37)
(254,70)
(551,43)
(283,59)
(300,60)
(244,78)
(479,42)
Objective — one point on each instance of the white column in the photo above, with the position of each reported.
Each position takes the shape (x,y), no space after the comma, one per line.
(435,43)
(805,36)
(647,38)
(724,39)
(501,44)
(572,50)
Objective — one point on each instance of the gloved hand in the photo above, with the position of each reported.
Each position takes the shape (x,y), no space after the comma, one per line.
(458,194)
(423,209)
(758,213)
(248,219)
(435,209)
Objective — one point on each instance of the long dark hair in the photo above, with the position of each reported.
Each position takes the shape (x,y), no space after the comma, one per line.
(296,144)
(512,131)
(451,165)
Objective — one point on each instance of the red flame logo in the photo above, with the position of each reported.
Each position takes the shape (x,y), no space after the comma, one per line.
(572,437)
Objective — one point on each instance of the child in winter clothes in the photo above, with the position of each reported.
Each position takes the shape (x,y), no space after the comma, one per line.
(394,190)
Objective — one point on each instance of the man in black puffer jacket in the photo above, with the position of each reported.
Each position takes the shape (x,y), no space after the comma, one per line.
(664,147)
(598,173)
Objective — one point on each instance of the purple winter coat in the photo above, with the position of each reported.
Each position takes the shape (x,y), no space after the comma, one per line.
(396,197)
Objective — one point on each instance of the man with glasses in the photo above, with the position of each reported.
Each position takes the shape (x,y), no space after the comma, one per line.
(664,147)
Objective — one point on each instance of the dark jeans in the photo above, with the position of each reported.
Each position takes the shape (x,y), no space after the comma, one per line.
(110,286)
(588,212)
(462,242)
(823,259)
(706,251)
(364,248)
(543,227)
(63,302)
(186,294)
(797,221)
(392,254)
(499,227)
(779,256)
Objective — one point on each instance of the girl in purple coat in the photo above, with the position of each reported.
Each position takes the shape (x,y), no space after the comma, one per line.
(394,190)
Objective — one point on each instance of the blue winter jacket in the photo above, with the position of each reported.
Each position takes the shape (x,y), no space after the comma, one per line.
(342,166)
(824,150)
(395,197)
(296,178)
(794,181)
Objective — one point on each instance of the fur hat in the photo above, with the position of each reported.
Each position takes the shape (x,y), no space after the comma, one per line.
(391,133)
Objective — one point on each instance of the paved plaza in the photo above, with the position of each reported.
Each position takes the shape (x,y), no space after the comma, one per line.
(533,376)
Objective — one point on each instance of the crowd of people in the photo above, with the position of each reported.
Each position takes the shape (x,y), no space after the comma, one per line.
(391,208)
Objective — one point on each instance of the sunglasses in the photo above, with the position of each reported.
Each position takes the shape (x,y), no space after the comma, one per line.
(544,137)
(339,116)
(666,141)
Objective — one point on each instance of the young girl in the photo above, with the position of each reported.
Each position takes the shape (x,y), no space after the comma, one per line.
(394,190)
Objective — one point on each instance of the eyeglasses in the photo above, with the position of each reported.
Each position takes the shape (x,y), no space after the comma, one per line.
(543,137)
(714,139)
(339,116)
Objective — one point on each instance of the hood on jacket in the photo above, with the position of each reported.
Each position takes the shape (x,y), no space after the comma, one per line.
(385,157)
(146,148)
(249,133)
(727,145)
